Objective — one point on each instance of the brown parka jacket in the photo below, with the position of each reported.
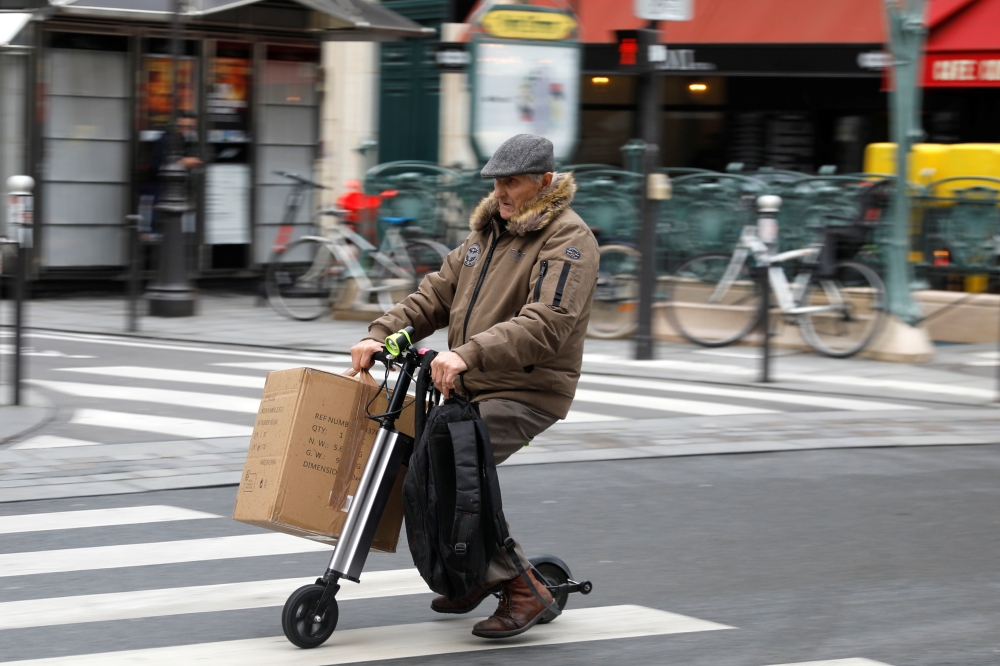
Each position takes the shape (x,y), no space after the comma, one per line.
(516,299)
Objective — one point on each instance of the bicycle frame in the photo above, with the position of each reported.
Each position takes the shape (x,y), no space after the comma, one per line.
(789,296)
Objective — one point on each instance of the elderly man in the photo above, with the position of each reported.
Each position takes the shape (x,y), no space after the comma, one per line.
(516,298)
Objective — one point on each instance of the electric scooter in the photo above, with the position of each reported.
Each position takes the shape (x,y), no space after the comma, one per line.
(310,615)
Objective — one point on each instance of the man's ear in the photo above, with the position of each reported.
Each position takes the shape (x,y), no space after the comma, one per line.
(547,179)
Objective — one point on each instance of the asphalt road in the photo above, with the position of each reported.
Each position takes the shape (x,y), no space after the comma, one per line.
(889,555)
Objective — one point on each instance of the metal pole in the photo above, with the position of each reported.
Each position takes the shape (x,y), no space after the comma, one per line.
(650,100)
(172,295)
(132,322)
(768,206)
(20,220)
(906,37)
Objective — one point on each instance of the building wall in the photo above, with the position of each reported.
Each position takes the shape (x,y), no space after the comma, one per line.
(350,113)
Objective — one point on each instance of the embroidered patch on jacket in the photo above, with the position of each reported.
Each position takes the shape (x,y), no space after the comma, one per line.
(572,253)
(516,255)
(472,254)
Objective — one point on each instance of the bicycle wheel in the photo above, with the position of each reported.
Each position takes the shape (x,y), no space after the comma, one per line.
(849,308)
(614,313)
(304,279)
(705,309)
(425,257)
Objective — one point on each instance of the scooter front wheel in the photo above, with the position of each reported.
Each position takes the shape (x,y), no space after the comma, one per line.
(300,615)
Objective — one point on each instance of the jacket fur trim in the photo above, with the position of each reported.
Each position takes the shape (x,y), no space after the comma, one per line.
(550,203)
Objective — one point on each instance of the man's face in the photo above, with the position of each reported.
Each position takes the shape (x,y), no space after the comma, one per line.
(186,125)
(514,191)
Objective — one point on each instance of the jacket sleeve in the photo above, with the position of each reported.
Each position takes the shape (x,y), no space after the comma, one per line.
(562,288)
(428,308)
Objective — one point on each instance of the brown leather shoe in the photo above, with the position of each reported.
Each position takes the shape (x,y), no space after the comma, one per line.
(517,612)
(443,604)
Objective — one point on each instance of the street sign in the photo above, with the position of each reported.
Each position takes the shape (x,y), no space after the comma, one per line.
(665,10)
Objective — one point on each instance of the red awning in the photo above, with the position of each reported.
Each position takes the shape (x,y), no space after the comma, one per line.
(963,47)
(746,22)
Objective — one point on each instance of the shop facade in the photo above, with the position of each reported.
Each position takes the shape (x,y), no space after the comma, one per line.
(90,90)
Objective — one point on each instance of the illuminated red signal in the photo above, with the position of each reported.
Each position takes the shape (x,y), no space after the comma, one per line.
(628,50)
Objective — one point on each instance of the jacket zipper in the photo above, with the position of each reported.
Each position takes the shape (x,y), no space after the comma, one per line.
(475,296)
(543,268)
(479,285)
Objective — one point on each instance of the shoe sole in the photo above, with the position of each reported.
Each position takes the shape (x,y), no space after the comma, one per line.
(512,632)
(466,609)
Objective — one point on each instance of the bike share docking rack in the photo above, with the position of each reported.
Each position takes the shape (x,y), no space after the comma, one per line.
(310,615)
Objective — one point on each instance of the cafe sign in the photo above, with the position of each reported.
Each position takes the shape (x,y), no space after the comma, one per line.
(962,70)
(528,24)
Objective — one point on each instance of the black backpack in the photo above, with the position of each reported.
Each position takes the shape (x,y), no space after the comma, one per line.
(451,495)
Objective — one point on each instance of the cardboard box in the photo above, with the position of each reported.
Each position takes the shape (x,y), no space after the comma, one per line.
(309,446)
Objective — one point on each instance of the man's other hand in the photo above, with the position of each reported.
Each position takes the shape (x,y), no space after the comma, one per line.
(445,369)
(361,354)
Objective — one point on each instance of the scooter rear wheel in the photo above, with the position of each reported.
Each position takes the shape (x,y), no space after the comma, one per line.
(298,617)
(553,574)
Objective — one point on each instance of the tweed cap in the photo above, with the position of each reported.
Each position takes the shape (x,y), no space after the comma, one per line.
(523,153)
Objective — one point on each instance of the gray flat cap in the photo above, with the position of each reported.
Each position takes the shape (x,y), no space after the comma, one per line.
(523,153)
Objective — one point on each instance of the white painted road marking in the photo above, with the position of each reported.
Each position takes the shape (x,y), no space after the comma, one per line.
(402,641)
(168,375)
(165,425)
(147,554)
(198,599)
(837,662)
(227,403)
(830,402)
(128,515)
(52,442)
(268,366)
(576,416)
(666,404)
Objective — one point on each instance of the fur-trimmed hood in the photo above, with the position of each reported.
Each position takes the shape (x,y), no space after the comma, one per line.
(550,203)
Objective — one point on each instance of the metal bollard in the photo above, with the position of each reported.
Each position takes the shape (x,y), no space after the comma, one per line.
(20,223)
(767,229)
(132,322)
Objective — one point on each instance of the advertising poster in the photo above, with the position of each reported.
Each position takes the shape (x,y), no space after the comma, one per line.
(158,90)
(229,100)
(525,89)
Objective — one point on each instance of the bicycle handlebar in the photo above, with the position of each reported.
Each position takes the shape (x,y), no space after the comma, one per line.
(299,179)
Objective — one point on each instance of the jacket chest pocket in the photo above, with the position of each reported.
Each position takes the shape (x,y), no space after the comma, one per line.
(555,280)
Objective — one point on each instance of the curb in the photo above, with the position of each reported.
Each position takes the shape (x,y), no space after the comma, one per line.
(39,412)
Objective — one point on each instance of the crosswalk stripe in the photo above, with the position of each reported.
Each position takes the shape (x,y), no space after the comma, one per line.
(128,515)
(837,662)
(402,641)
(670,364)
(268,366)
(899,384)
(305,357)
(169,375)
(165,425)
(196,599)
(148,554)
(667,404)
(227,403)
(52,442)
(748,394)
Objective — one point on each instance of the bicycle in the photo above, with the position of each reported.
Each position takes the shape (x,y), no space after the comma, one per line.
(341,269)
(714,299)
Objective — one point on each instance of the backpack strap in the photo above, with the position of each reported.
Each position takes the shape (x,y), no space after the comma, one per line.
(499,521)
(423,386)
(467,502)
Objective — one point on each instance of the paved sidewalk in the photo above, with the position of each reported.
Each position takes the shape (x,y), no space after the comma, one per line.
(959,374)
(34,412)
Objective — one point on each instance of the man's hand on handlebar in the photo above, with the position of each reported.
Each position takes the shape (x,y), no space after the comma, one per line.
(361,354)
(445,369)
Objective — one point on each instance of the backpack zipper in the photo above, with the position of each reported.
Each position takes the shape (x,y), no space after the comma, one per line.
(543,268)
